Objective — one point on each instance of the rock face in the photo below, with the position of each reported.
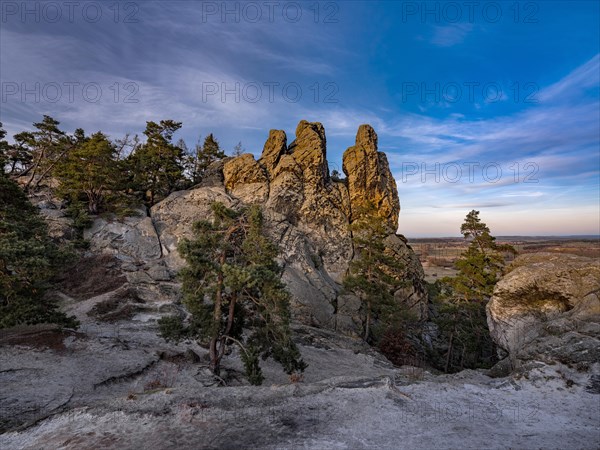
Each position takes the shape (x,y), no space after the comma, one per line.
(131,239)
(307,214)
(369,176)
(547,308)
(125,388)
(53,211)
(274,149)
(174,216)
(246,179)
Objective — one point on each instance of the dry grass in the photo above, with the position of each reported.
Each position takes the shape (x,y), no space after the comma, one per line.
(296,378)
(435,253)
(441,262)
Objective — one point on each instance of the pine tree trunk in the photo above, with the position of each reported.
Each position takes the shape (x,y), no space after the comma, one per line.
(93,205)
(223,339)
(368,324)
(449,352)
(217,354)
(230,317)
(50,167)
(215,361)
(34,169)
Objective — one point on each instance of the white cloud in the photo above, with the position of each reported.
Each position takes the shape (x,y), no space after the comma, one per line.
(450,35)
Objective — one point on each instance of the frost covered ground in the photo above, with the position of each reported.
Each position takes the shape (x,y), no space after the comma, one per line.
(128,389)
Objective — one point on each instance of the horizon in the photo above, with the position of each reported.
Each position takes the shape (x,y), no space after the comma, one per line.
(474,109)
(540,236)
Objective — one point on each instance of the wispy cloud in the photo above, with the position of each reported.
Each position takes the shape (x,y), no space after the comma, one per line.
(548,154)
(171,52)
(577,82)
(450,35)
(169,74)
(557,132)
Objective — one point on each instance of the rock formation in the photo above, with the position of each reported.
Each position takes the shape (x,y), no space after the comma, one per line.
(246,179)
(114,383)
(369,176)
(308,215)
(547,308)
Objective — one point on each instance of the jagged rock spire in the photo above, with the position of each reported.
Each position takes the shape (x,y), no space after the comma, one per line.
(369,176)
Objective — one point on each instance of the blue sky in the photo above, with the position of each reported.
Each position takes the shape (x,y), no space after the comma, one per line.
(493,106)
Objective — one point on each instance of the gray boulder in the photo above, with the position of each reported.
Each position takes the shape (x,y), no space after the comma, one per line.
(548,308)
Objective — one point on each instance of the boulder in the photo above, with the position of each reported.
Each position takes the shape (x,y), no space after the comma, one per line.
(174,216)
(548,308)
(213,175)
(130,239)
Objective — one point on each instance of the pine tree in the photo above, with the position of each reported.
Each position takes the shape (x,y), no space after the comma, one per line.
(232,281)
(266,299)
(50,145)
(206,155)
(90,169)
(191,170)
(4,147)
(28,261)
(157,166)
(20,154)
(238,150)
(374,274)
(126,146)
(211,150)
(462,319)
(481,265)
(186,160)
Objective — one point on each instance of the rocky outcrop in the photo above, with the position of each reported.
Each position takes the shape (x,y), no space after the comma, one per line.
(53,210)
(246,179)
(307,214)
(174,216)
(548,308)
(319,207)
(131,239)
(310,153)
(125,388)
(369,177)
(413,295)
(301,190)
(274,149)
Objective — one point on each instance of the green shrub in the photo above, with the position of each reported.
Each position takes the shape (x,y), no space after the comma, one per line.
(29,259)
